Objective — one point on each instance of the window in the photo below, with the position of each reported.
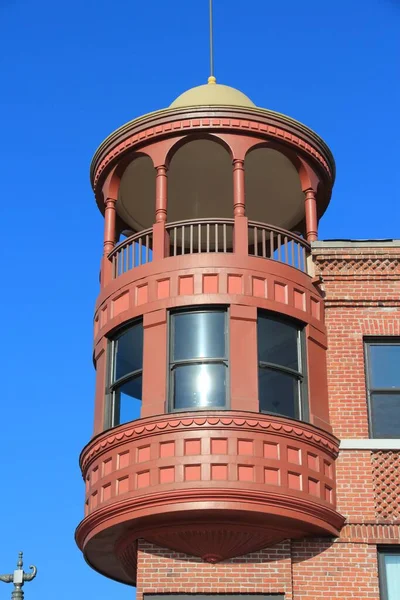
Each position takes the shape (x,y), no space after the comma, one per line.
(383,386)
(389,573)
(125,377)
(281,377)
(198,359)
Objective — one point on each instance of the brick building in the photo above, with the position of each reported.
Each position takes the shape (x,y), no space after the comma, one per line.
(247,415)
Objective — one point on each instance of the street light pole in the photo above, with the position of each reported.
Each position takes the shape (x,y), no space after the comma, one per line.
(18,578)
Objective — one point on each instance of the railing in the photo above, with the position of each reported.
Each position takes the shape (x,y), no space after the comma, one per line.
(278,244)
(200,235)
(136,250)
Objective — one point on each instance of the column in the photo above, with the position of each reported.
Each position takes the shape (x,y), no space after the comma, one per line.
(109,240)
(311,215)
(160,245)
(239,209)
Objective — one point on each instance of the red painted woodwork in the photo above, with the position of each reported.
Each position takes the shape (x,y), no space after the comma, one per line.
(213,484)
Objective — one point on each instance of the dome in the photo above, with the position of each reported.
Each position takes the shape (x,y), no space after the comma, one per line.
(212,93)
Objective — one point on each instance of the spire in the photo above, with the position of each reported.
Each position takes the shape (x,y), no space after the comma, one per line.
(211,45)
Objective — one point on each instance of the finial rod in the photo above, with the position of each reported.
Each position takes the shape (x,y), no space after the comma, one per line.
(211,40)
(18,578)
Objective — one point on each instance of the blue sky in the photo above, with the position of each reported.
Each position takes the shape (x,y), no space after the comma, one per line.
(72,72)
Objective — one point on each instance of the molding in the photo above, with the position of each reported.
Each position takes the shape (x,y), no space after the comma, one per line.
(370,444)
(173,121)
(384,243)
(229,419)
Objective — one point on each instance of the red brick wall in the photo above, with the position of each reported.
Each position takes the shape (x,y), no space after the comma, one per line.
(163,571)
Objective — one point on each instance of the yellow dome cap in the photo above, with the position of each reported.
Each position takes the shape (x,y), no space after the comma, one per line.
(212,93)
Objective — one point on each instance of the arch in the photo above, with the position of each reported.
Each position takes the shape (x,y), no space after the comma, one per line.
(274,191)
(188,139)
(136,192)
(200,181)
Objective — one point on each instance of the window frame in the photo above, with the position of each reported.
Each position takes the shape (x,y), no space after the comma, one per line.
(382,577)
(300,375)
(112,403)
(171,364)
(380,341)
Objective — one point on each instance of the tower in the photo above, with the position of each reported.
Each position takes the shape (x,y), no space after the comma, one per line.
(212,453)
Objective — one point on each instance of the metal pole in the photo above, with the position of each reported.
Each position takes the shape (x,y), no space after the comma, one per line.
(211,40)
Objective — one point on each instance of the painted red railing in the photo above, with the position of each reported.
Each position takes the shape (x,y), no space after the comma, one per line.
(134,251)
(199,236)
(274,243)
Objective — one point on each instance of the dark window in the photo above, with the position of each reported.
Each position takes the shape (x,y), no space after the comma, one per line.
(389,573)
(281,378)
(125,377)
(198,359)
(383,387)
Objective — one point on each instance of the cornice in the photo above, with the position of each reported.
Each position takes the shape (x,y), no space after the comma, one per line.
(212,496)
(168,115)
(149,427)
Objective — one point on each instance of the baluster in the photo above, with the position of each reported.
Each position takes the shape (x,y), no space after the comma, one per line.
(175,242)
(255,239)
(199,237)
(183,240)
(191,239)
(113,263)
(140,251)
(298,256)
(147,248)
(285,247)
(208,237)
(271,243)
(125,267)
(304,260)
(279,247)
(129,250)
(224,236)
(216,237)
(264,244)
(293,253)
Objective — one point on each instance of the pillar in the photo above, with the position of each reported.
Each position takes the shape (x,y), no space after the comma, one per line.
(239,209)
(311,215)
(109,240)
(160,245)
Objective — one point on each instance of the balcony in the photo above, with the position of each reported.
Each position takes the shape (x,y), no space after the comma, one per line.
(204,236)
(214,485)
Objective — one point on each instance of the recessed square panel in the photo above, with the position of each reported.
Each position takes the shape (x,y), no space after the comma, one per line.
(167,474)
(143,454)
(294,481)
(167,449)
(123,460)
(143,479)
(271,476)
(245,447)
(294,455)
(192,447)
(245,473)
(219,472)
(271,450)
(219,446)
(192,472)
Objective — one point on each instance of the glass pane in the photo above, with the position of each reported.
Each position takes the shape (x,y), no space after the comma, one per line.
(199,335)
(392,567)
(278,393)
(128,352)
(385,416)
(384,365)
(199,386)
(128,401)
(277,342)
